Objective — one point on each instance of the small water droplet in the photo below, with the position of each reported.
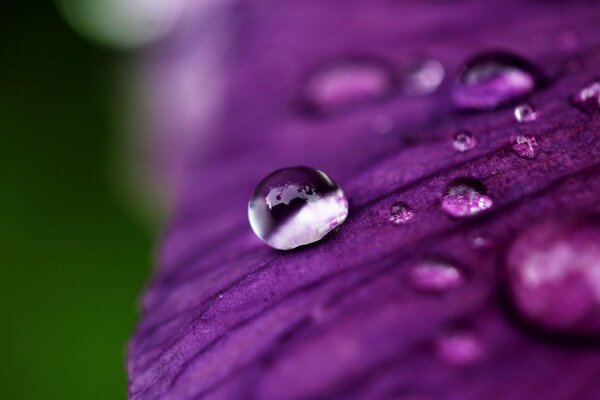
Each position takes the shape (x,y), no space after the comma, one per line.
(342,85)
(494,79)
(423,77)
(296,206)
(400,213)
(553,275)
(465,197)
(459,348)
(525,113)
(588,98)
(525,146)
(480,241)
(435,276)
(464,141)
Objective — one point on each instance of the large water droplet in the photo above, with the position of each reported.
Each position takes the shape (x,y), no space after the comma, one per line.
(525,113)
(494,79)
(464,141)
(525,146)
(588,98)
(459,348)
(342,85)
(423,77)
(436,276)
(465,197)
(553,272)
(296,206)
(400,213)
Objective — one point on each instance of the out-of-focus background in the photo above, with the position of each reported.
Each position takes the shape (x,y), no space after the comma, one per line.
(73,252)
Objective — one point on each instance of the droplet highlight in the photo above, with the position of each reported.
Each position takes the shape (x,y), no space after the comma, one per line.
(525,146)
(342,85)
(553,275)
(494,79)
(436,276)
(525,113)
(459,348)
(400,213)
(588,98)
(423,77)
(465,197)
(464,141)
(296,206)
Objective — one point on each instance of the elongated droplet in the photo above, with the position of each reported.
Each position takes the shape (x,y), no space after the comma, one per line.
(464,141)
(525,146)
(423,77)
(296,206)
(553,272)
(436,276)
(342,85)
(465,197)
(588,98)
(459,348)
(494,79)
(525,113)
(400,213)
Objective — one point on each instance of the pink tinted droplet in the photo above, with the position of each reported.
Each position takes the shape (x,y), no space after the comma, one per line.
(436,276)
(400,213)
(553,275)
(464,141)
(459,348)
(465,197)
(587,99)
(423,77)
(525,113)
(525,146)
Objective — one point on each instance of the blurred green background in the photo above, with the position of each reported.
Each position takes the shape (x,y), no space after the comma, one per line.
(74,255)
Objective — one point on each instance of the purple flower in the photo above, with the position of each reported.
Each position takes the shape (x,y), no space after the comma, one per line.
(227,317)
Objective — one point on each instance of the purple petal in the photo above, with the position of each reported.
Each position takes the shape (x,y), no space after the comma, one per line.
(227,317)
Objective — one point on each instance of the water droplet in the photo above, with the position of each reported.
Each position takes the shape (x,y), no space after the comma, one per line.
(436,276)
(525,146)
(588,98)
(459,348)
(465,197)
(480,241)
(342,85)
(464,141)
(400,213)
(553,275)
(494,79)
(296,206)
(525,113)
(423,77)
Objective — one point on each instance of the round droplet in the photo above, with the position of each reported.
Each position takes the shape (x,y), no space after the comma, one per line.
(459,348)
(423,77)
(400,213)
(435,276)
(525,146)
(296,206)
(464,141)
(525,113)
(480,241)
(553,274)
(494,79)
(465,197)
(342,85)
(588,98)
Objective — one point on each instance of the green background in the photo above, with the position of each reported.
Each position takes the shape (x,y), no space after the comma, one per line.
(73,254)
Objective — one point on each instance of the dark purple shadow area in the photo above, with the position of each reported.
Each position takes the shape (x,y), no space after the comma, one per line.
(227,317)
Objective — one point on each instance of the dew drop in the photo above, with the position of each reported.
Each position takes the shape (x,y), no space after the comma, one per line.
(525,146)
(464,141)
(553,275)
(296,206)
(423,77)
(400,213)
(465,197)
(480,241)
(435,276)
(459,348)
(494,79)
(588,98)
(525,113)
(345,84)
